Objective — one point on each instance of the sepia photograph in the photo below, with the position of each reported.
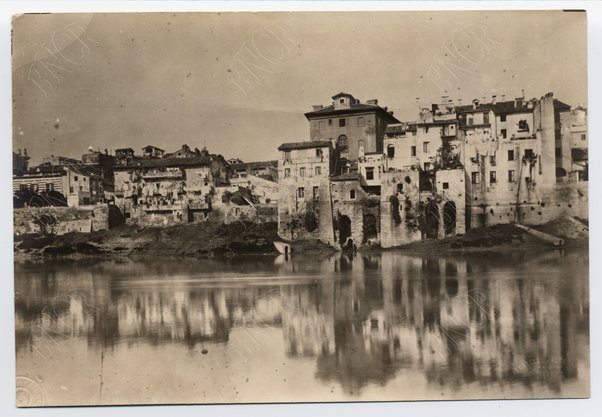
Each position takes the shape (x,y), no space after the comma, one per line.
(300,207)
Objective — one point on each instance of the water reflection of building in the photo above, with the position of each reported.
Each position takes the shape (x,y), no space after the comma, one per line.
(459,321)
(489,321)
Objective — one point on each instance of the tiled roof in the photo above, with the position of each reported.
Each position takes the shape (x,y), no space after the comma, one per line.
(355,108)
(350,176)
(304,145)
(502,107)
(165,162)
(259,164)
(400,128)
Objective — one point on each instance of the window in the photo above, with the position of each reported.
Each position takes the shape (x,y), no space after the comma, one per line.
(369,173)
(583,136)
(486,118)
(318,170)
(492,159)
(81,188)
(287,172)
(511,155)
(425,147)
(287,155)
(523,126)
(352,194)
(75,178)
(391,151)
(529,153)
(503,118)
(511,176)
(504,133)
(319,153)
(84,179)
(341,122)
(329,122)
(470,121)
(302,172)
(476,178)
(301,192)
(343,143)
(342,101)
(361,122)
(321,125)
(71,190)
(492,177)
(413,151)
(316,191)
(446,185)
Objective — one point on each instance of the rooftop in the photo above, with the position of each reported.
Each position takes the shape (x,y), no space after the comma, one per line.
(166,162)
(304,145)
(350,176)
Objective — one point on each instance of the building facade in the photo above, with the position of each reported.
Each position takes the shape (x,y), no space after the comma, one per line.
(350,124)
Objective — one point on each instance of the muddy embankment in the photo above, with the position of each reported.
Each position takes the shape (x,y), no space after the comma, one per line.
(208,239)
(203,240)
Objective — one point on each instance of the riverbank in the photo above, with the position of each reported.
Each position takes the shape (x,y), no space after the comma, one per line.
(210,239)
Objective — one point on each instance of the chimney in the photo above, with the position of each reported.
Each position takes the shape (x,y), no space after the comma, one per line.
(475,103)
(317,107)
(372,101)
(493,99)
(503,97)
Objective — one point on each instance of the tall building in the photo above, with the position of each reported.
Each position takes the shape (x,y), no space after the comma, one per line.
(350,124)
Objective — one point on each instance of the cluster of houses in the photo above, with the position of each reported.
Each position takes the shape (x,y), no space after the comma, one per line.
(151,188)
(362,178)
(366,178)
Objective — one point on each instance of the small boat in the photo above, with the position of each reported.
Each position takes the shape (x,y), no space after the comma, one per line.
(283,246)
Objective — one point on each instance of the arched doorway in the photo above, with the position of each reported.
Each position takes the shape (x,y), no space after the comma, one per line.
(449,218)
(431,216)
(370,228)
(344,229)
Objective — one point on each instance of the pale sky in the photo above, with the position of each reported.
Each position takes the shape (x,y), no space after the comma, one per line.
(240,82)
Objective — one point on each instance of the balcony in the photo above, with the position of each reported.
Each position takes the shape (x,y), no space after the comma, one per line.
(162,174)
(162,207)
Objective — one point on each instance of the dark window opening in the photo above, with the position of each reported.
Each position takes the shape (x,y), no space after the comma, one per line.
(341,122)
(391,151)
(343,143)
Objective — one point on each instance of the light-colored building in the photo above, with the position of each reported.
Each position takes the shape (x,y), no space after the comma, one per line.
(303,172)
(169,190)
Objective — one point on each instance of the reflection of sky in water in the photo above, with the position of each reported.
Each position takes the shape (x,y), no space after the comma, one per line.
(380,326)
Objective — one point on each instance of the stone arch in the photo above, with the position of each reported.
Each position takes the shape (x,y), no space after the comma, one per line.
(370,227)
(449,218)
(431,216)
(344,229)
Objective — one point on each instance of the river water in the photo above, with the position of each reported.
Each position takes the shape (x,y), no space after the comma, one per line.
(384,326)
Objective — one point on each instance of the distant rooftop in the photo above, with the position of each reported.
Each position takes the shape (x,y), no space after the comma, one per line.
(304,145)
